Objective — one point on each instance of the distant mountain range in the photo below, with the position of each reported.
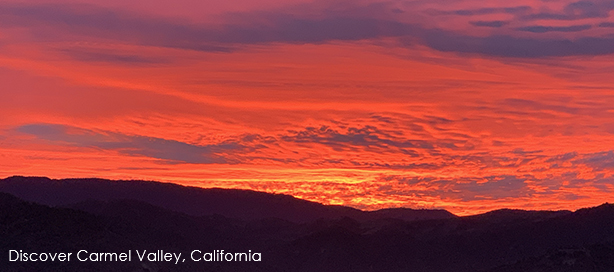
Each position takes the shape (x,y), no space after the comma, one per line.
(233,203)
(45,215)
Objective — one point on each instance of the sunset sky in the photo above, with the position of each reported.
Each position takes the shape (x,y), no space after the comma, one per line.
(464,105)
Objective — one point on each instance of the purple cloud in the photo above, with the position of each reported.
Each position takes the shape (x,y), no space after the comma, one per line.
(173,151)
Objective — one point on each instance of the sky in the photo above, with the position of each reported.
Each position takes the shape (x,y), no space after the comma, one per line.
(462,105)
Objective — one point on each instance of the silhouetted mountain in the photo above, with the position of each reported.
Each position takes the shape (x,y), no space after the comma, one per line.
(504,215)
(594,258)
(499,241)
(408,214)
(240,204)
(122,226)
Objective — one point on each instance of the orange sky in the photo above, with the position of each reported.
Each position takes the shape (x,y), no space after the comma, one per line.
(424,104)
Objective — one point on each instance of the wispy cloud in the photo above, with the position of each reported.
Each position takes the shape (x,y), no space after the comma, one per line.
(90,55)
(495,24)
(544,29)
(368,136)
(482,11)
(584,9)
(173,151)
(517,47)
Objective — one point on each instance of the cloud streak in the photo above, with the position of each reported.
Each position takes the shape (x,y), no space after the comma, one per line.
(169,150)
(509,46)
(544,29)
(495,24)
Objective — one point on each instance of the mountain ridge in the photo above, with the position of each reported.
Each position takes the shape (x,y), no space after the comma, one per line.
(234,203)
(182,198)
(494,242)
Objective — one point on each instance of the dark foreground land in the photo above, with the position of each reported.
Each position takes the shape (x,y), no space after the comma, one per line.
(44,215)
